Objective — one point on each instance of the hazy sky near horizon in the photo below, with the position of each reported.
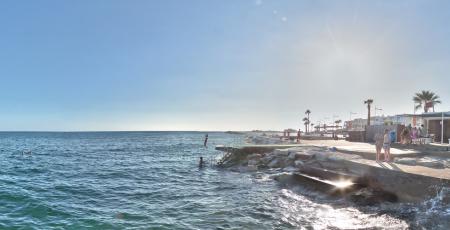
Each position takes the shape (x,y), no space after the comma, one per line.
(215,65)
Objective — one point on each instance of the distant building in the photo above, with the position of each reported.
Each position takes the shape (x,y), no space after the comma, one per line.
(434,126)
(414,120)
(359,124)
(431,122)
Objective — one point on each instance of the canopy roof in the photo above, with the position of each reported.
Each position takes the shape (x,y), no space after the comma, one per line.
(435,115)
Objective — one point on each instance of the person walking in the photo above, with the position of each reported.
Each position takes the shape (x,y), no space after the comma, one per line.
(387,146)
(379,139)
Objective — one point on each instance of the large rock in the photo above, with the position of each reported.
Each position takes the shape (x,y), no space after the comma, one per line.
(290,169)
(254,156)
(406,161)
(298,163)
(335,157)
(283,178)
(275,163)
(268,158)
(303,156)
(252,168)
(281,152)
(253,162)
(431,163)
(321,156)
(368,196)
(292,155)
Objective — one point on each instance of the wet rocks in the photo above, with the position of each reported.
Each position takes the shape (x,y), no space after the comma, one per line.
(252,168)
(254,156)
(406,161)
(369,196)
(281,152)
(284,178)
(431,162)
(290,169)
(275,163)
(298,163)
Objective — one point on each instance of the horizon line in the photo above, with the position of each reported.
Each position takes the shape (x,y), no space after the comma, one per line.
(99,131)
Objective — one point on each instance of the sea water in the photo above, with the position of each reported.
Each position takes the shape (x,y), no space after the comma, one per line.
(151,180)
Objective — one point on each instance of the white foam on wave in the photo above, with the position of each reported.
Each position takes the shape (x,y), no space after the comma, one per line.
(297,209)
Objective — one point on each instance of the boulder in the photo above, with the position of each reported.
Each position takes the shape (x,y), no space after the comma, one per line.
(252,168)
(290,169)
(368,196)
(253,162)
(431,164)
(287,162)
(298,163)
(321,156)
(283,178)
(334,158)
(267,159)
(275,163)
(292,155)
(254,156)
(406,161)
(303,156)
(281,152)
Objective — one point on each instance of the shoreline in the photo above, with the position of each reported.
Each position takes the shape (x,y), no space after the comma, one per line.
(414,176)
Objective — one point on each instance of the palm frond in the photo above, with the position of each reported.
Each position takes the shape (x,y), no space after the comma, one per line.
(424,97)
(418,106)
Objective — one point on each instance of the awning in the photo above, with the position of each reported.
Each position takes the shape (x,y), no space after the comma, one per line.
(435,115)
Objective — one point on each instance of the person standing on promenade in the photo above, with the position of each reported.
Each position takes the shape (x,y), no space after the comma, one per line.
(387,146)
(298,136)
(414,135)
(404,135)
(378,144)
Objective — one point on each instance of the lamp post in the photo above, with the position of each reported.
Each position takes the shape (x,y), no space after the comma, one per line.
(350,119)
(352,113)
(379,109)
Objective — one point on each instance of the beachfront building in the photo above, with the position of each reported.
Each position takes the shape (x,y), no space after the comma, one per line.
(415,120)
(437,125)
(360,124)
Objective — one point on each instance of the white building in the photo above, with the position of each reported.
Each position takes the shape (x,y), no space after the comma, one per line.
(405,119)
(359,124)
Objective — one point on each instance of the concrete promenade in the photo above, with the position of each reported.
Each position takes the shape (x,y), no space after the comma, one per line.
(367,153)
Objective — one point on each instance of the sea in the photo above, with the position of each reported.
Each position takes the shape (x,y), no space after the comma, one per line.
(151,180)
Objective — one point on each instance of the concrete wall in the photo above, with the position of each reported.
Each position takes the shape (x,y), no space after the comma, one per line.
(356,136)
(374,129)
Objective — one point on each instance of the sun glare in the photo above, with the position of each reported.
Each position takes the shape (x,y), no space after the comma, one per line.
(342,184)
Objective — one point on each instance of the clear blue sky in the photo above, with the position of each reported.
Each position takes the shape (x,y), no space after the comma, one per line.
(215,65)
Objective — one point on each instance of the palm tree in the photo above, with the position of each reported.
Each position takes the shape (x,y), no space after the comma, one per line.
(306,122)
(368,102)
(426,99)
(312,125)
(307,112)
(338,122)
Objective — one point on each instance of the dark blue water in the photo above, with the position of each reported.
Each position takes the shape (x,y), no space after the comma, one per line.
(146,180)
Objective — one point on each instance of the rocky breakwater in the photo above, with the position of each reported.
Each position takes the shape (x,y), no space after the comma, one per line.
(333,173)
